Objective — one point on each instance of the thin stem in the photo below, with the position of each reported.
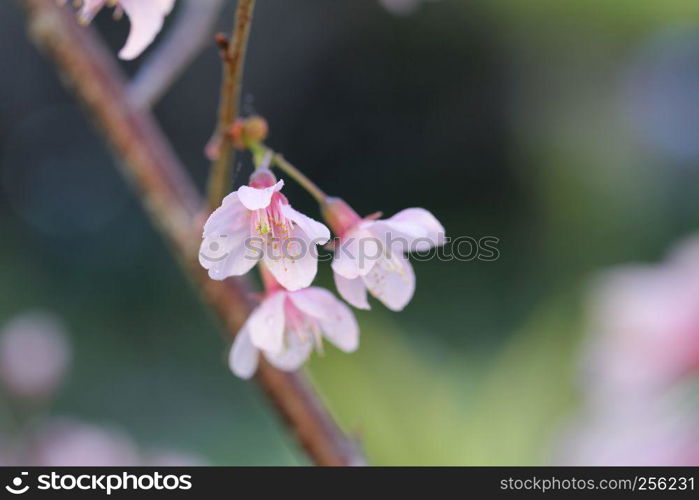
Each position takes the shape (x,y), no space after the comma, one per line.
(262,154)
(233,65)
(174,206)
(279,161)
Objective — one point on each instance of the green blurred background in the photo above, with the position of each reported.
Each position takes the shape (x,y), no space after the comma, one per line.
(569,129)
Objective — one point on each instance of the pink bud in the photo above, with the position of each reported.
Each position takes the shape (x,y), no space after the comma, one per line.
(255,130)
(339,215)
(213,147)
(236,134)
(262,178)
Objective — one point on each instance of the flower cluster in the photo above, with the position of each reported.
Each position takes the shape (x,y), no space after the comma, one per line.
(257,224)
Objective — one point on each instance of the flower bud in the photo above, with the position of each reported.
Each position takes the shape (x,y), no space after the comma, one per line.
(237,134)
(262,178)
(247,131)
(339,215)
(255,130)
(213,148)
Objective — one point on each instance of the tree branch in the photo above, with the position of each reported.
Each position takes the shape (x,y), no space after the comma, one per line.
(233,63)
(175,207)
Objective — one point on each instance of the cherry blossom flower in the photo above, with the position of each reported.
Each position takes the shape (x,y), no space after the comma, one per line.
(146,17)
(370,253)
(288,325)
(257,223)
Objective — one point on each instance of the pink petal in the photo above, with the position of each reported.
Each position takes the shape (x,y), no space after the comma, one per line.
(412,229)
(345,265)
(255,199)
(392,281)
(244,356)
(352,290)
(336,319)
(228,218)
(357,253)
(294,263)
(316,232)
(315,301)
(146,18)
(229,254)
(343,330)
(294,354)
(266,323)
(165,5)
(419,218)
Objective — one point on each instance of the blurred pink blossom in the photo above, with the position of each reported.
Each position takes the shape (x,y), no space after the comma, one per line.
(641,367)
(661,431)
(34,355)
(66,442)
(645,326)
(146,18)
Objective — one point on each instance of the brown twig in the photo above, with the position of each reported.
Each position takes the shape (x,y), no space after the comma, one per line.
(233,63)
(176,208)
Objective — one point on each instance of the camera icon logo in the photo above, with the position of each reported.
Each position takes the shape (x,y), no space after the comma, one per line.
(16,487)
(215,248)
